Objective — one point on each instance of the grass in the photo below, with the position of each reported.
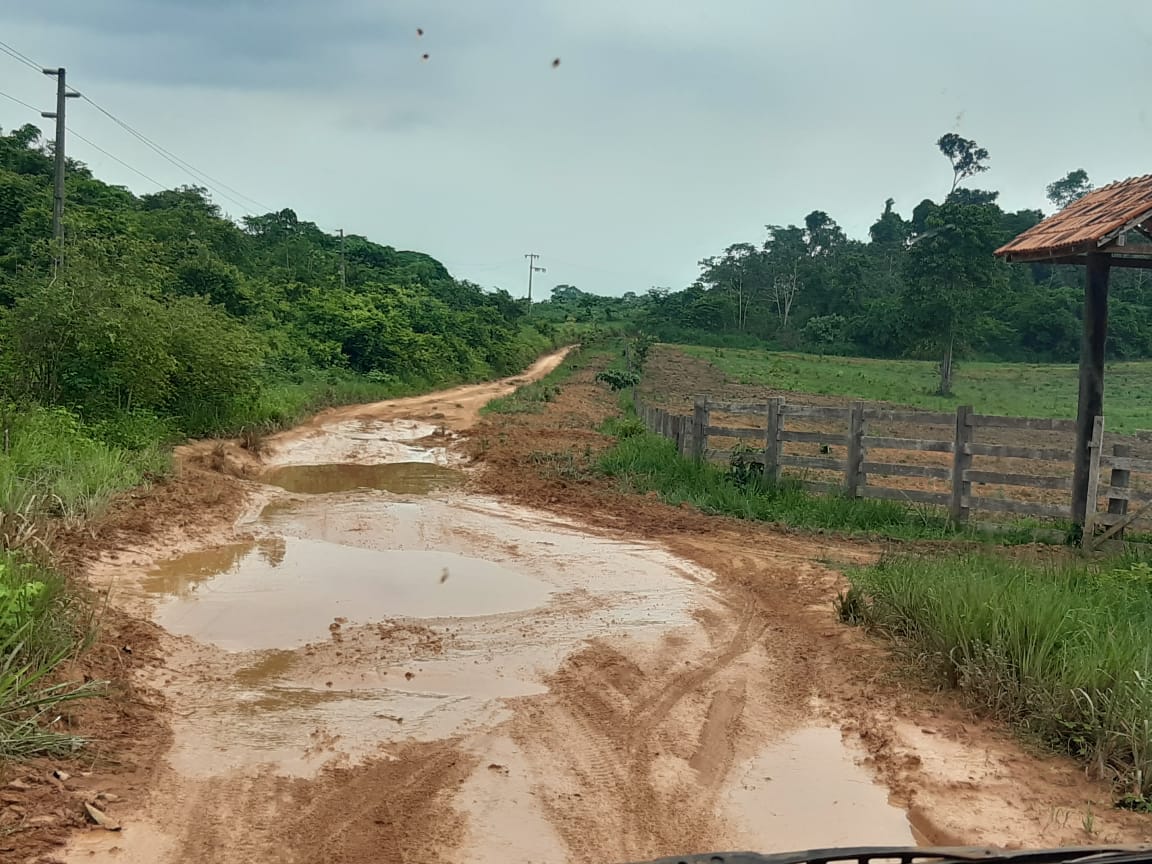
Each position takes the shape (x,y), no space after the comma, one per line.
(1015,389)
(649,463)
(532,398)
(1060,648)
(54,466)
(41,625)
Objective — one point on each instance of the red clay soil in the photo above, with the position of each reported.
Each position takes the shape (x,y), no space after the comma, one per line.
(962,779)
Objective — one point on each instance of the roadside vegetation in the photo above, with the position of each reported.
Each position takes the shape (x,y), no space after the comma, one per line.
(1060,648)
(168,320)
(645,463)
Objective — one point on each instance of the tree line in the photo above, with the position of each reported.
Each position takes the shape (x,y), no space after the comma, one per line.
(925,285)
(164,307)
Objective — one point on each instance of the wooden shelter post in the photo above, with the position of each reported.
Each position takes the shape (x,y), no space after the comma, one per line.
(1091,402)
(1104,229)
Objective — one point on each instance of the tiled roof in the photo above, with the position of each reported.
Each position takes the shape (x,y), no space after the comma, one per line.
(1081,225)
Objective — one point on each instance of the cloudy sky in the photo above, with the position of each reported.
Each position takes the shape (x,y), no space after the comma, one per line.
(667,132)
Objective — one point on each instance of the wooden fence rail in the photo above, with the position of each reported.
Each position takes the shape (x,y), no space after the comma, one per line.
(867,458)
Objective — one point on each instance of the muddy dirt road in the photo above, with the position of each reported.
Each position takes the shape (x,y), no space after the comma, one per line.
(383,660)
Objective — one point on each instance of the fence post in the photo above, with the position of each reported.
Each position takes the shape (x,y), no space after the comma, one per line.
(1096,450)
(681,427)
(961,462)
(772,440)
(700,419)
(1119,480)
(853,479)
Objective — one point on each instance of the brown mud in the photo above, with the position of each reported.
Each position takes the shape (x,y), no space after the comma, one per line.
(529,665)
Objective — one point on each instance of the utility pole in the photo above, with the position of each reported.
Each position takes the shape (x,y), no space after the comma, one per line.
(63,94)
(343,271)
(532,268)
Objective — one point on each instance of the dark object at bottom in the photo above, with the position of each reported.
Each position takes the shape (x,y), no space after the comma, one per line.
(929,855)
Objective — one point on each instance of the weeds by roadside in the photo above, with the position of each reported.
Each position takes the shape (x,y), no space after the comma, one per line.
(649,463)
(55,467)
(40,626)
(1061,649)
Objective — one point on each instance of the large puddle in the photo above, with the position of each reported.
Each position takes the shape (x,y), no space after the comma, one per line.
(810,792)
(400,478)
(283,592)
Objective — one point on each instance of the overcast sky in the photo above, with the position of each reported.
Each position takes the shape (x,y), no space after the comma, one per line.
(667,132)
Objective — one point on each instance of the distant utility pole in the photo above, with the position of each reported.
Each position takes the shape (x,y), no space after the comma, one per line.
(63,94)
(343,271)
(532,268)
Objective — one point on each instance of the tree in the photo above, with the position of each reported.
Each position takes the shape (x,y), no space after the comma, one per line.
(890,229)
(1071,187)
(974,197)
(967,158)
(739,275)
(822,236)
(951,275)
(787,252)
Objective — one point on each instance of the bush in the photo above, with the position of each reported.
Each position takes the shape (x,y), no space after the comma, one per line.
(618,379)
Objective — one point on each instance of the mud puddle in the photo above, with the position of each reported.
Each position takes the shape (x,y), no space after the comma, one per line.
(360,442)
(809,791)
(284,592)
(400,478)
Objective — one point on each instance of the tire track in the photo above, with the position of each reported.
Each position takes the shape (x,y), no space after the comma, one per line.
(610,729)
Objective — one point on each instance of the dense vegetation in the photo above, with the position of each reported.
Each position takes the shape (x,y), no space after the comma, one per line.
(166,319)
(1059,648)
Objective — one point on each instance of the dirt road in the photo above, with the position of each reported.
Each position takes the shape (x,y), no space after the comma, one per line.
(386,658)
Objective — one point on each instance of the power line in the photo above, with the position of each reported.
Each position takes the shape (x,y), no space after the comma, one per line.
(115,158)
(90,143)
(20,102)
(22,58)
(213,184)
(206,179)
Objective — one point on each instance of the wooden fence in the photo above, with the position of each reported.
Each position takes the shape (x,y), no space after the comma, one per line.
(848,460)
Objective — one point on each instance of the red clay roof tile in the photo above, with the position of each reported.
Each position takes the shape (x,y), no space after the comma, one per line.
(1081,225)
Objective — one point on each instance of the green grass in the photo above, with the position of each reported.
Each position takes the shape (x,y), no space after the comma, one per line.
(41,625)
(532,398)
(649,463)
(54,466)
(1062,649)
(1015,389)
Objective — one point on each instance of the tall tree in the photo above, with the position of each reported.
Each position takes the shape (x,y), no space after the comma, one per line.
(822,236)
(738,274)
(890,230)
(1071,187)
(965,155)
(951,276)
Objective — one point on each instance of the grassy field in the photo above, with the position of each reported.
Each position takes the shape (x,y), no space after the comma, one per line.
(1017,389)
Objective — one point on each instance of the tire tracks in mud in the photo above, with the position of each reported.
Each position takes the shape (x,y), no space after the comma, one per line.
(621,775)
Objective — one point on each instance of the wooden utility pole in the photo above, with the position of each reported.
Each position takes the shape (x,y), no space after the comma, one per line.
(532,268)
(63,94)
(343,270)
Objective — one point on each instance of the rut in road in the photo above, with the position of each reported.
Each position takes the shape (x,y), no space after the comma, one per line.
(599,737)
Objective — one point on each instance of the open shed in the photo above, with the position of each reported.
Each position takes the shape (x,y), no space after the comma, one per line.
(1110,227)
